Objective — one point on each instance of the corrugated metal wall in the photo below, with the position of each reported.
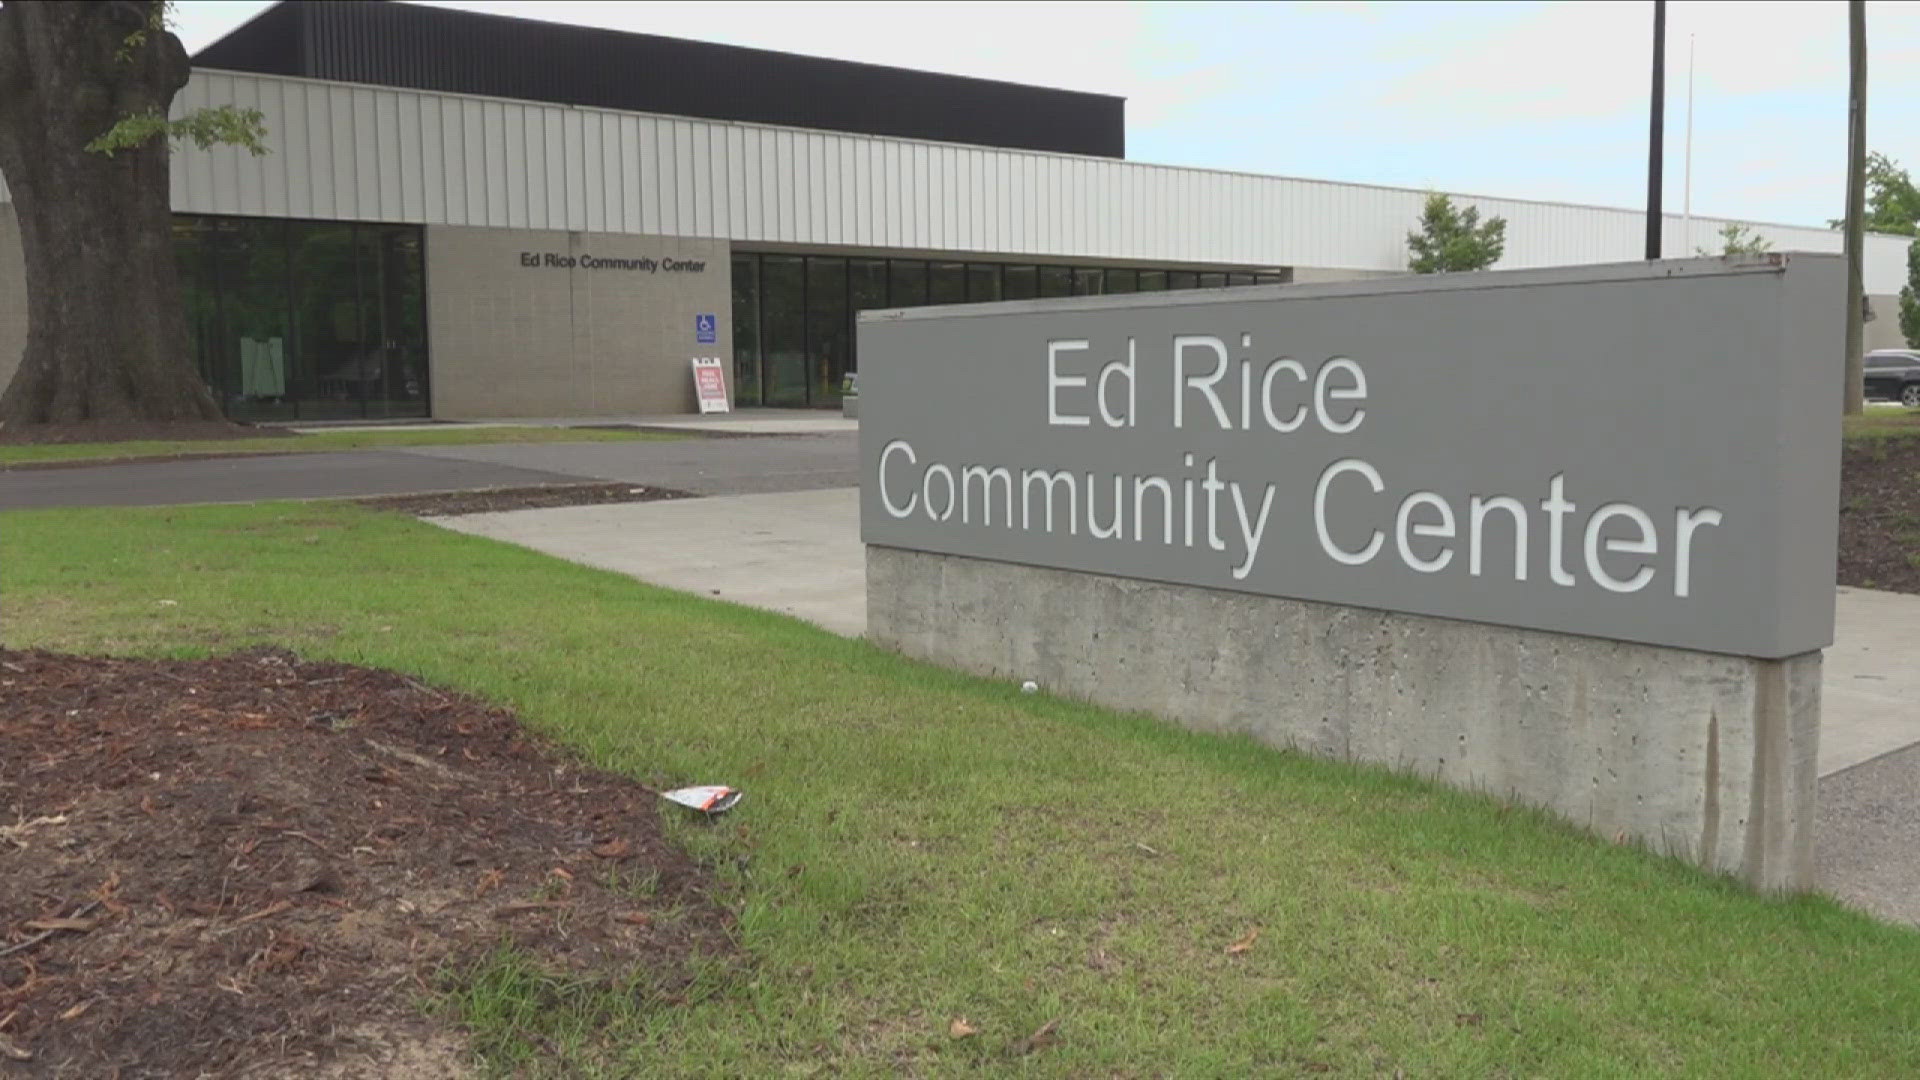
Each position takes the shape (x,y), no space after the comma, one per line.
(354,152)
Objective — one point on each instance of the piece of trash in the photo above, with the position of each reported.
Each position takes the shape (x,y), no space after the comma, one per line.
(1029,687)
(1244,943)
(710,799)
(1045,1037)
(960,1029)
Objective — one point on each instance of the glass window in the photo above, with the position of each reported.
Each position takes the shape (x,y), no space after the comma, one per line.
(783,330)
(330,340)
(947,283)
(1056,281)
(909,284)
(1239,279)
(983,282)
(746,330)
(829,334)
(1023,283)
(1182,279)
(1213,281)
(394,358)
(1123,281)
(866,291)
(1271,279)
(1153,281)
(1086,281)
(292,320)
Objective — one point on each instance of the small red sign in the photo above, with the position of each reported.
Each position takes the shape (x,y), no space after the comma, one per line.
(710,385)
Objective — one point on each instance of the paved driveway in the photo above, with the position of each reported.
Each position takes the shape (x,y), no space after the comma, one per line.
(709,466)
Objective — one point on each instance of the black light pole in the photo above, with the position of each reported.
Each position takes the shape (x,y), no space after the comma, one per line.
(1655,133)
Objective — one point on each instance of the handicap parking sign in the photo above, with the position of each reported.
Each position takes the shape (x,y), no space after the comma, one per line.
(705,329)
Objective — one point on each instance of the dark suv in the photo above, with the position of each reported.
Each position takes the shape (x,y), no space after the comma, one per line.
(1894,375)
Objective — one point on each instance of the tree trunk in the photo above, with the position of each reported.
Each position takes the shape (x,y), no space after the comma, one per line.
(106,328)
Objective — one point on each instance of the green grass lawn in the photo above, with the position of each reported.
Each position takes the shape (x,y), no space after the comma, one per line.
(916,845)
(1882,421)
(363,439)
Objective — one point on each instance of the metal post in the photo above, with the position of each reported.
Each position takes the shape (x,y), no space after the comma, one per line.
(1686,203)
(1656,130)
(1855,390)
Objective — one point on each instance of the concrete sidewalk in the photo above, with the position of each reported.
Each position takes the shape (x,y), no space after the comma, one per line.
(797,553)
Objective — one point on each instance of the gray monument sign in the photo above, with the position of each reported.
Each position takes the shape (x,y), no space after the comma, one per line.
(1644,453)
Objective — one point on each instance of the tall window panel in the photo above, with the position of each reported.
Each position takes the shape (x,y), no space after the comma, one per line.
(746,330)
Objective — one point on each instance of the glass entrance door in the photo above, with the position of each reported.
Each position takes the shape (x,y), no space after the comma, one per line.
(783,328)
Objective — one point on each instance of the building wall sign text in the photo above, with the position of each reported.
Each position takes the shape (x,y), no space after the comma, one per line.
(1613,452)
(549,260)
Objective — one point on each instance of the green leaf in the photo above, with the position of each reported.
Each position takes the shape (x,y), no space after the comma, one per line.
(223,125)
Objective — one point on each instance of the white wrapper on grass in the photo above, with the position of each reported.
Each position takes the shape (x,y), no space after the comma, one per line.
(710,799)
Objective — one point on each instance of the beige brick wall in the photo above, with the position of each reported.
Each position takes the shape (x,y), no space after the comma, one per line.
(13,296)
(506,339)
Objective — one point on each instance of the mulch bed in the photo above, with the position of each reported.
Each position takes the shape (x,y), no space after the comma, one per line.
(488,500)
(1880,515)
(101,431)
(256,865)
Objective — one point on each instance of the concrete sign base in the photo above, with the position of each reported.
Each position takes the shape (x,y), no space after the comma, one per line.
(1705,756)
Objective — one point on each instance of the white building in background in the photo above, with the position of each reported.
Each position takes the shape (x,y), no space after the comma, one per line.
(466,215)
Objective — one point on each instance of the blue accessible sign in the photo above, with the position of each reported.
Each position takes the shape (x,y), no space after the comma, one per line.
(705,330)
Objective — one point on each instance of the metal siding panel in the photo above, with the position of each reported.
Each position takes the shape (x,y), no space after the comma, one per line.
(321,152)
(366,155)
(894,192)
(386,120)
(433,159)
(631,190)
(773,193)
(700,155)
(647,142)
(668,171)
(573,160)
(923,197)
(289,142)
(753,216)
(199,164)
(792,181)
(412,198)
(937,196)
(513,137)
(613,173)
(494,138)
(553,165)
(683,178)
(250,186)
(532,170)
(826,229)
(815,221)
(473,160)
(592,179)
(223,162)
(860,190)
(346,187)
(453,132)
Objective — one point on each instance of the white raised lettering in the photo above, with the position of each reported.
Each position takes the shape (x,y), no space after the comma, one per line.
(1335,551)
(1057,382)
(912,500)
(1647,544)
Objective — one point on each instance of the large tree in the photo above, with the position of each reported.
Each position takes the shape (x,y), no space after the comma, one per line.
(85,89)
(1451,239)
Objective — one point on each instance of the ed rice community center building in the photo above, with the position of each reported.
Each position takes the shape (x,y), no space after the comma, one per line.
(470,216)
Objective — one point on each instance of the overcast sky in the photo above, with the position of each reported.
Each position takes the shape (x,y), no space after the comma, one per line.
(1543,101)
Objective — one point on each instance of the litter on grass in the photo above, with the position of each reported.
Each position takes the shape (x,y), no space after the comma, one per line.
(711,799)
